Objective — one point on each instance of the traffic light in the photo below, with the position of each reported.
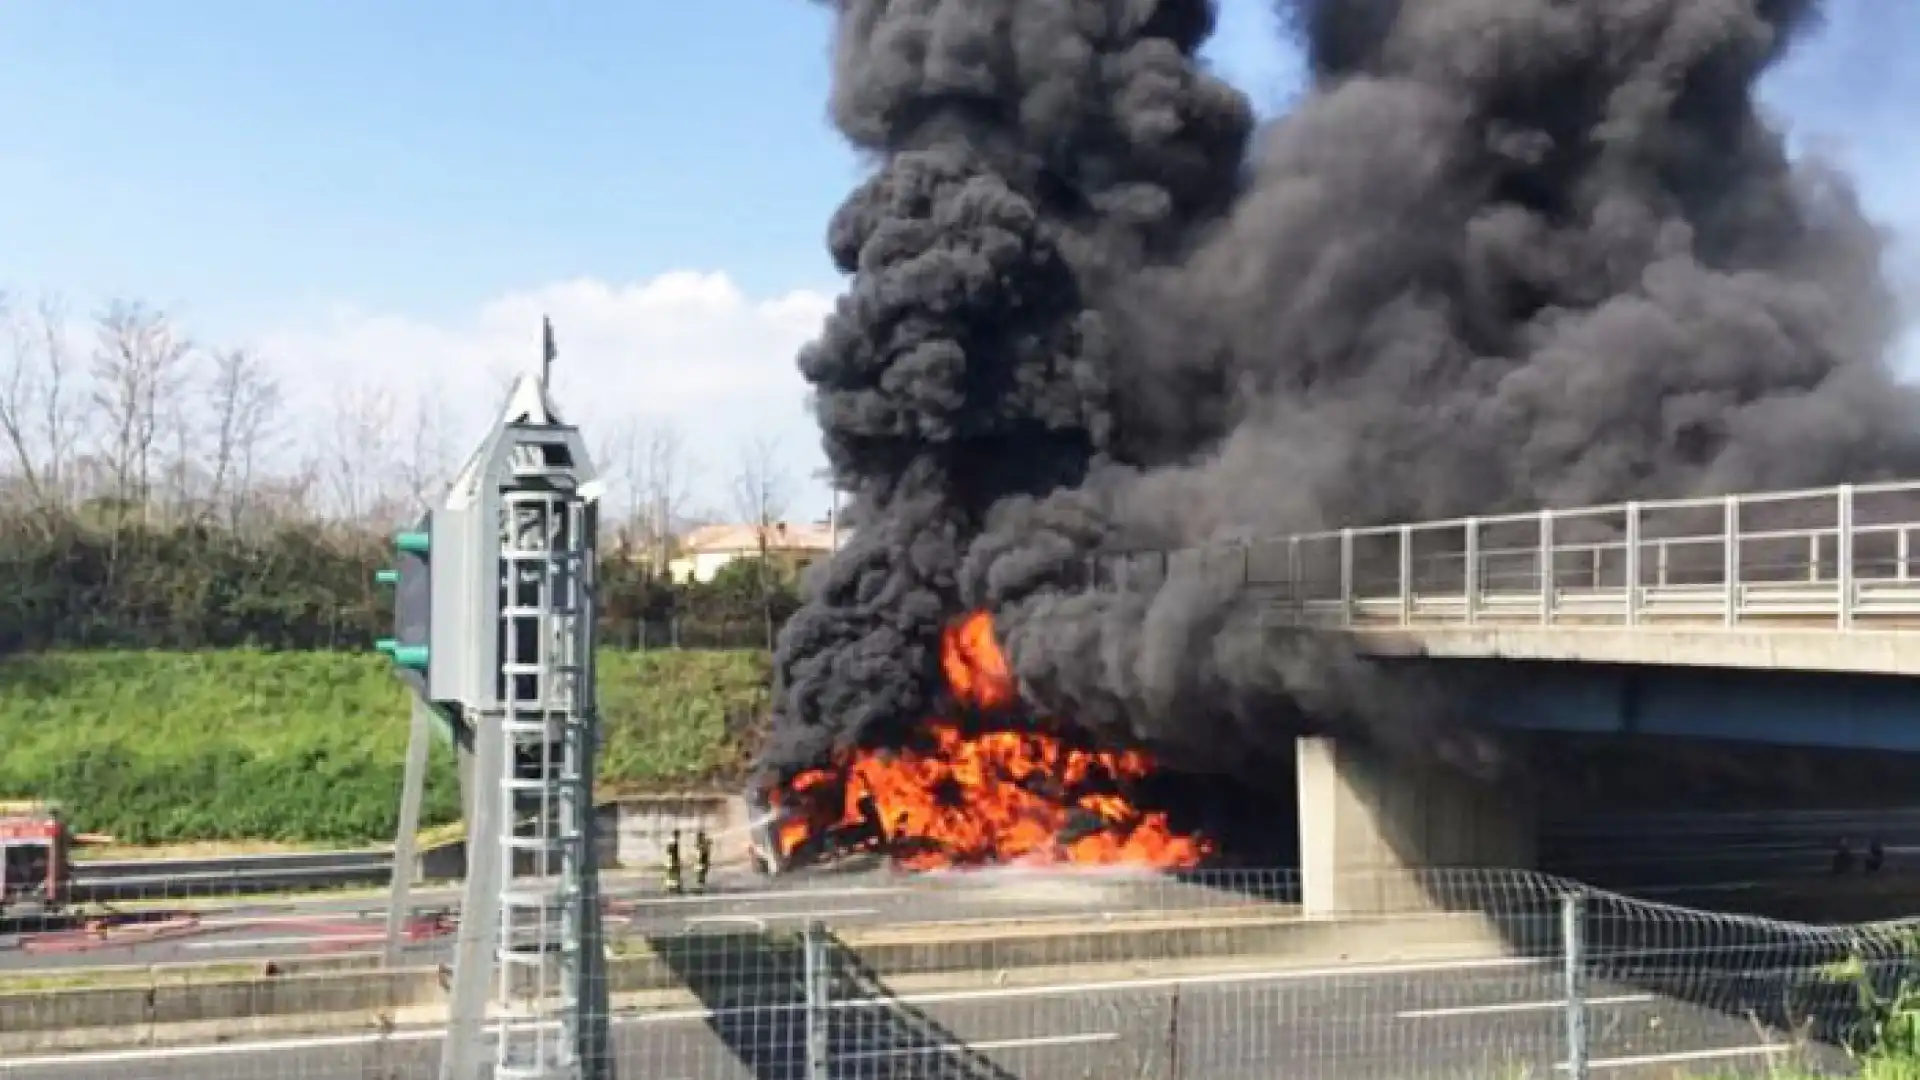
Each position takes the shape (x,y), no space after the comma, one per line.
(411,578)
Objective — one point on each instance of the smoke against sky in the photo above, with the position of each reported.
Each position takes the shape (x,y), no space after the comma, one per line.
(1500,254)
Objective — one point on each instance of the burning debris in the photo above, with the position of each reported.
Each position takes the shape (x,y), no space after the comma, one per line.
(969,790)
(1497,256)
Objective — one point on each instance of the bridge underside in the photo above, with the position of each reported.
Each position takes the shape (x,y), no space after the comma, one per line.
(1774,647)
(1371,828)
(1780,708)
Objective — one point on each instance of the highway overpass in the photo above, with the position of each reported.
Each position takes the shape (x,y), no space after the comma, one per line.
(1786,617)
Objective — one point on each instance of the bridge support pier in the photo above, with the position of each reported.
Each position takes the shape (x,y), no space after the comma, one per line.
(1370,823)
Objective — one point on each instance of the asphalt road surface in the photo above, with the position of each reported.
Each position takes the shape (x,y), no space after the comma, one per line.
(324,927)
(1482,1019)
(320,927)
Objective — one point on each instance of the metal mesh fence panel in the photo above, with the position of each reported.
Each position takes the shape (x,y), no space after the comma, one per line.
(1003,974)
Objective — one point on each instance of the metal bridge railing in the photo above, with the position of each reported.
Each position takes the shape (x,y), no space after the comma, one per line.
(1842,558)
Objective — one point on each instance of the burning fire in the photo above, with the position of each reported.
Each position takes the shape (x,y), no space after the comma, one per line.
(964,797)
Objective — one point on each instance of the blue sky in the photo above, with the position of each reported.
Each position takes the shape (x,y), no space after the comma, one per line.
(384,194)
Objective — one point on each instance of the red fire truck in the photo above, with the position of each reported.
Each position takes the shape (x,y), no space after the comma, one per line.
(36,863)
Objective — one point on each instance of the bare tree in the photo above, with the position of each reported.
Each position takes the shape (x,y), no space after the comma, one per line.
(139,362)
(244,415)
(39,406)
(761,490)
(185,479)
(655,475)
(357,463)
(427,466)
(763,487)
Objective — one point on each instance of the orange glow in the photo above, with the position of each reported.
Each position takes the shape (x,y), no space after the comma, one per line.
(960,797)
(976,670)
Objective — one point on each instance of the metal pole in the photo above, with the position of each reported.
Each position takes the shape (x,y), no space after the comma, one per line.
(1293,576)
(1547,574)
(1730,569)
(1173,1035)
(819,999)
(1346,577)
(1573,950)
(479,917)
(1630,594)
(1471,582)
(1843,554)
(407,834)
(1406,575)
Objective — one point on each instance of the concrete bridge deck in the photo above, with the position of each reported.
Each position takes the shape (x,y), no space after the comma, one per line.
(1772,617)
(1821,580)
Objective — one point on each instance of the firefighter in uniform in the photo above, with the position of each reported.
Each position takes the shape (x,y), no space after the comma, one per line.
(673,862)
(702,859)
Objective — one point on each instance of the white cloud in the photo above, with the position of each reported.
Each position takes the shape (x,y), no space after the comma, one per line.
(687,348)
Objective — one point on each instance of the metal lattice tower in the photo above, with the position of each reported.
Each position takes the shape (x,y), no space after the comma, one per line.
(495,632)
(548,725)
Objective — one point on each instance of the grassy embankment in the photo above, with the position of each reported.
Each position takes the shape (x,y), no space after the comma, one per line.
(289,749)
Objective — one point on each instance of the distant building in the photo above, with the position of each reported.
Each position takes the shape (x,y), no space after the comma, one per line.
(706,549)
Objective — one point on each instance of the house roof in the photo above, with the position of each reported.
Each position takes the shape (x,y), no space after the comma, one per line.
(734,539)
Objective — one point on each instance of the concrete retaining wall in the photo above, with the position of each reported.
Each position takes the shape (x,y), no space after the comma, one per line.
(68,1019)
(633,834)
(642,825)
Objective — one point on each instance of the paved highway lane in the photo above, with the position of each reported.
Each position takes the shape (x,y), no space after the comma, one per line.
(321,928)
(1480,1019)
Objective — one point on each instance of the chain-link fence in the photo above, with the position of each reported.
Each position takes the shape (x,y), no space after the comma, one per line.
(1005,974)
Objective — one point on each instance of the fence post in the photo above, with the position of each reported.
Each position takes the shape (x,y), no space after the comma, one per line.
(819,997)
(1294,592)
(1173,1035)
(1843,556)
(1573,954)
(1346,577)
(1470,583)
(1631,572)
(1730,569)
(1548,578)
(1406,574)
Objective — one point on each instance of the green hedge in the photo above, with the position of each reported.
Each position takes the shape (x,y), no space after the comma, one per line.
(308,747)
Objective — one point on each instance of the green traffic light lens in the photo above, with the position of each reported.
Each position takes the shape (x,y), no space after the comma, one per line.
(407,656)
(386,577)
(415,543)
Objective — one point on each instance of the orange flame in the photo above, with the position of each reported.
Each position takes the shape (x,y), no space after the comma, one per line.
(967,798)
(976,669)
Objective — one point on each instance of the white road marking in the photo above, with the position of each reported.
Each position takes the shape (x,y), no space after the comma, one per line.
(1642,1060)
(1518,1006)
(1036,1042)
(788,895)
(1227,978)
(760,918)
(284,942)
(234,922)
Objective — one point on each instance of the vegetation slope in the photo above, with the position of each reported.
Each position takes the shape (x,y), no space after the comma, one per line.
(167,747)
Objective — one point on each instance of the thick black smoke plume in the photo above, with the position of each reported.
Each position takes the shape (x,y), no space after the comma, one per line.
(1502,254)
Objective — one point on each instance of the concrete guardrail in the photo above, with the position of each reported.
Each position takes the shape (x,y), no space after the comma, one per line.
(731,967)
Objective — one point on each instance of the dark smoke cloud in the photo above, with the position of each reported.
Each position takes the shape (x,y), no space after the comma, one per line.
(1502,254)
(1032,155)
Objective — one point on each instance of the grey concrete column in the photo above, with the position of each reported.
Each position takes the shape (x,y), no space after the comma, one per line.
(1369,823)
